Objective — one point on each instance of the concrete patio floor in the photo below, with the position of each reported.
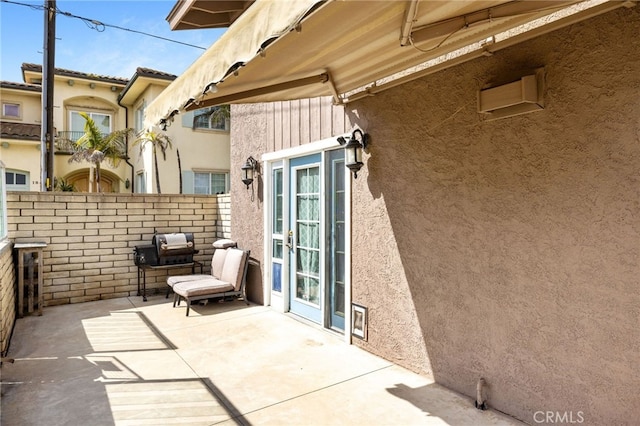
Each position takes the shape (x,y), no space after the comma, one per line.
(127,362)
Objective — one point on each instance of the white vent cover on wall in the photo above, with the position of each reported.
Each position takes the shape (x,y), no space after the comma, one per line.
(520,97)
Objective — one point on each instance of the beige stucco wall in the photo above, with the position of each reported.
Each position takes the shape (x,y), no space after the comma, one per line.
(200,150)
(83,99)
(23,155)
(29,102)
(26,155)
(510,249)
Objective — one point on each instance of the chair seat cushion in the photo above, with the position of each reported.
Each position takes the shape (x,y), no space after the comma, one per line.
(171,281)
(202,287)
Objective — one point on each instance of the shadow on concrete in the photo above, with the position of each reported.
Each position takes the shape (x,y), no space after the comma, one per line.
(76,365)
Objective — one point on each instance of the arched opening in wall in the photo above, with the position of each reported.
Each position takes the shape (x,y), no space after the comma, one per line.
(109,181)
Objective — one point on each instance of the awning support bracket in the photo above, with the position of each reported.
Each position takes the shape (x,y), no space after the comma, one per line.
(337,99)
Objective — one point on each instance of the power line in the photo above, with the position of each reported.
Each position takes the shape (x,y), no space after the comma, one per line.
(101,26)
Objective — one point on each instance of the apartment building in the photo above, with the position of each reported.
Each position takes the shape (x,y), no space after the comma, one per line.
(114,104)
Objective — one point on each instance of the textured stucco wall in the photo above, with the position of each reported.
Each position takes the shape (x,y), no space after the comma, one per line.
(510,249)
(248,128)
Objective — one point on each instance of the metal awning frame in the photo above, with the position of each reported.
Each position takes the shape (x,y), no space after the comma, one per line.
(238,85)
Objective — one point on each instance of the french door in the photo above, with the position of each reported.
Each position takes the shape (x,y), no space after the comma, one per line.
(304,238)
(311,191)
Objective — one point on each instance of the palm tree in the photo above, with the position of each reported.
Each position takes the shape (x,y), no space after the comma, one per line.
(159,141)
(221,112)
(95,147)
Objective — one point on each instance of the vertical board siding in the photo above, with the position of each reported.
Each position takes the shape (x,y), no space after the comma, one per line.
(294,124)
(286,125)
(276,119)
(305,113)
(314,120)
(269,111)
(299,122)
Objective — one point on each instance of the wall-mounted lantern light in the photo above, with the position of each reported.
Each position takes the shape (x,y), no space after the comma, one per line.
(353,150)
(127,183)
(248,170)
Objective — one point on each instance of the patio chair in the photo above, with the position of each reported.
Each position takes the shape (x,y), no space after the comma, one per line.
(217,262)
(231,282)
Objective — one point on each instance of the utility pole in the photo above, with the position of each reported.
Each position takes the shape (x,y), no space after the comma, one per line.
(47,138)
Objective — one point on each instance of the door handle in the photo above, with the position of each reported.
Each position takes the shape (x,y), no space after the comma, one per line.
(289,243)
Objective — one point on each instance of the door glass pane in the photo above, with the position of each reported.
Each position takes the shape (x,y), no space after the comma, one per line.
(277,249)
(308,261)
(335,249)
(277,231)
(308,235)
(276,285)
(308,289)
(277,201)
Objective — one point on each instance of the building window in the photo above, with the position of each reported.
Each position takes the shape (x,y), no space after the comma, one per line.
(16,181)
(210,183)
(139,116)
(3,203)
(141,183)
(214,118)
(11,110)
(102,120)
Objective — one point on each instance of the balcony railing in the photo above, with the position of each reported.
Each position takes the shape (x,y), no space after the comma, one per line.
(66,141)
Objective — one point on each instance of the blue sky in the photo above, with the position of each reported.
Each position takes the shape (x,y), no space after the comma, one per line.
(112,52)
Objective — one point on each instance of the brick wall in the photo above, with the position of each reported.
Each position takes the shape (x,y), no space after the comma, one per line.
(7,296)
(90,237)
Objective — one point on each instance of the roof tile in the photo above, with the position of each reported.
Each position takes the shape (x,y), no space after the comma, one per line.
(9,130)
(77,74)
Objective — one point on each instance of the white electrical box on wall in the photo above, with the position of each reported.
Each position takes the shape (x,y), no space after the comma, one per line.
(519,97)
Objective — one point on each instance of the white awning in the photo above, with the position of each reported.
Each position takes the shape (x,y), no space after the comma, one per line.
(296,49)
